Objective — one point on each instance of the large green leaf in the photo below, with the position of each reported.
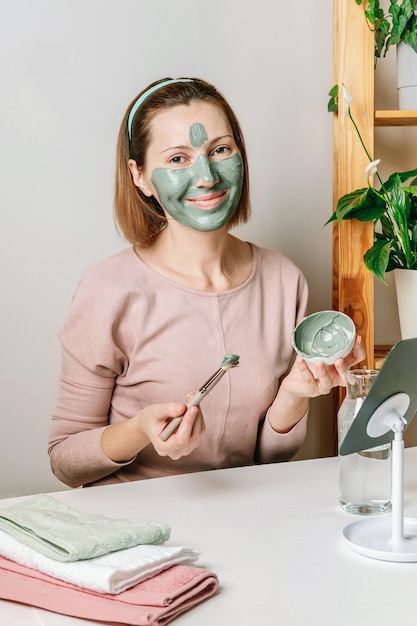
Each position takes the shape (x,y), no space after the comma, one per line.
(376,258)
(361,204)
(402,176)
(400,202)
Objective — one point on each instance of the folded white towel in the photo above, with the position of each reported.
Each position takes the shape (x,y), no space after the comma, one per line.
(111,573)
(65,534)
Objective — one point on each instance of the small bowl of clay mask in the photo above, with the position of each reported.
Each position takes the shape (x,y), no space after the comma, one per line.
(324,336)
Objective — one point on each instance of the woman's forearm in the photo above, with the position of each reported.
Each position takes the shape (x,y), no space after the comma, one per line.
(286,411)
(123,441)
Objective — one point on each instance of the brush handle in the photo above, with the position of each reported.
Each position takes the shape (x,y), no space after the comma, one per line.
(171,428)
(176,421)
(195,401)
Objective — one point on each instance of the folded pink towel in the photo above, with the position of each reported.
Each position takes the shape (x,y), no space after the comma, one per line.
(153,602)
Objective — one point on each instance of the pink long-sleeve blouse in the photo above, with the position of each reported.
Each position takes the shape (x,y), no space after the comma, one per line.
(133,338)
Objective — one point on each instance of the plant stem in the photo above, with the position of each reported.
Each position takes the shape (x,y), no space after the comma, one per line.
(363,144)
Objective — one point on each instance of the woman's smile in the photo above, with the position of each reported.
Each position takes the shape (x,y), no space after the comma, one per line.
(207,200)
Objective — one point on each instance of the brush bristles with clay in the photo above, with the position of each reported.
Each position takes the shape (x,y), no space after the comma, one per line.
(229,361)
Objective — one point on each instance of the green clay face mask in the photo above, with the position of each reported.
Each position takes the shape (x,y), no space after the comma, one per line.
(177,187)
(198,135)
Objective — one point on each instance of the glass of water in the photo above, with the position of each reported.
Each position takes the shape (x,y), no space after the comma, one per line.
(364,477)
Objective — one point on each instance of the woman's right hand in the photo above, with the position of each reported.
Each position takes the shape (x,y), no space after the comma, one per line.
(184,439)
(123,441)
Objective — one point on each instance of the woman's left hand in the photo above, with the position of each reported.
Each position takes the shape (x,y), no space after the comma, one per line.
(310,380)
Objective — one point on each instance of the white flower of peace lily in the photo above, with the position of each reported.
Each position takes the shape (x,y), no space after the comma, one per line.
(347,97)
(371,169)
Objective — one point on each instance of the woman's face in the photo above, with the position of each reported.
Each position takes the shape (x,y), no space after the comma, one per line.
(193,166)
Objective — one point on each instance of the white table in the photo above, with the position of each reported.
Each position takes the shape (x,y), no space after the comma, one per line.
(273,535)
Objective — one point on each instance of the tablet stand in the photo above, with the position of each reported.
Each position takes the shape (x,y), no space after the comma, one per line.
(384,415)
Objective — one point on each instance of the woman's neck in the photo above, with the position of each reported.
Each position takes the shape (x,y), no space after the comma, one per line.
(210,262)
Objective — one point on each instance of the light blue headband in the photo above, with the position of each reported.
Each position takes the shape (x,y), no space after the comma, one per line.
(147,93)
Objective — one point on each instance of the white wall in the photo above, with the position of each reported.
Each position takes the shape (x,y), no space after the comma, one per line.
(68,71)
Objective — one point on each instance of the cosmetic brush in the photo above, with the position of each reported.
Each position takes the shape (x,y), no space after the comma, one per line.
(229,361)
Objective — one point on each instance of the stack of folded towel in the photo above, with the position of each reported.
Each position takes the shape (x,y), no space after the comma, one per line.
(94,567)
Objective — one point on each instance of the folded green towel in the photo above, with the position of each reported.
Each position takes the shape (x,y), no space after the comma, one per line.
(64,534)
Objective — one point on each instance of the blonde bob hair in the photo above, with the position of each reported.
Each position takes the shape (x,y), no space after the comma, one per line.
(140,219)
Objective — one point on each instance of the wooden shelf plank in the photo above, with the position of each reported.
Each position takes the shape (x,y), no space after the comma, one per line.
(395,118)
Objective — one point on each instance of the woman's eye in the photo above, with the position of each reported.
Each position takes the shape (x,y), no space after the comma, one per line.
(220,151)
(177,160)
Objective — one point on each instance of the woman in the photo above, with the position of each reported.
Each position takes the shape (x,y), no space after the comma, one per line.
(148,326)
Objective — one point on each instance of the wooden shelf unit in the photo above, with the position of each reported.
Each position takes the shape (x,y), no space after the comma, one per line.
(353,66)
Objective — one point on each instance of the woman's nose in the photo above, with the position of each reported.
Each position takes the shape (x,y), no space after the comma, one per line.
(202,171)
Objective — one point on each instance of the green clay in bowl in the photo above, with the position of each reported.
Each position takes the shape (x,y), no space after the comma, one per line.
(325,336)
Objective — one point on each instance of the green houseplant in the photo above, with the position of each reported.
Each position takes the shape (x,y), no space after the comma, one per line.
(392,208)
(398,25)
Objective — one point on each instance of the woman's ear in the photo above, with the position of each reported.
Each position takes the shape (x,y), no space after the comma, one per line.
(138,178)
